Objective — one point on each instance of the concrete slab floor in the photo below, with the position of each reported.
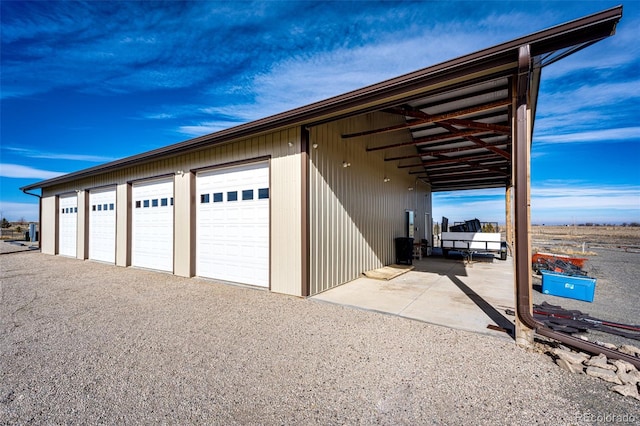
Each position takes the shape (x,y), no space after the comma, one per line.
(440,291)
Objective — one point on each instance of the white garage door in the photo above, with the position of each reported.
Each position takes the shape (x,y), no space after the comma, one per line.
(102,225)
(68,225)
(233,224)
(152,225)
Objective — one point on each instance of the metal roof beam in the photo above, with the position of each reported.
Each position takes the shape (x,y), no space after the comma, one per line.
(485,145)
(479,142)
(464,96)
(498,128)
(427,139)
(450,160)
(433,118)
(475,179)
(467,172)
(443,151)
(421,115)
(478,166)
(466,185)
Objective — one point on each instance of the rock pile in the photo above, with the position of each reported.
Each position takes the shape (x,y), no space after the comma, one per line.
(625,376)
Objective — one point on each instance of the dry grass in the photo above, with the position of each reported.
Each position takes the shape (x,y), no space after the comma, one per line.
(576,240)
(619,235)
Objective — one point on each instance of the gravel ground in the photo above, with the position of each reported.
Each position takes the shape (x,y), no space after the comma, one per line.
(85,343)
(617,294)
(8,247)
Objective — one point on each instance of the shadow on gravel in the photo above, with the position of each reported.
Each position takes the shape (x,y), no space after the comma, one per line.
(20,248)
(37,250)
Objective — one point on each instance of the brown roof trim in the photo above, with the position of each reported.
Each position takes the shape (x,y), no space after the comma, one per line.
(582,30)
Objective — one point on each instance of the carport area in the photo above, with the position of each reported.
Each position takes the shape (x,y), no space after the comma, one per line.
(442,291)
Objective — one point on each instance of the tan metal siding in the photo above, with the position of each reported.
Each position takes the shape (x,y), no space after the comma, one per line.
(286,199)
(48,224)
(82,233)
(354,215)
(285,193)
(183,224)
(123,224)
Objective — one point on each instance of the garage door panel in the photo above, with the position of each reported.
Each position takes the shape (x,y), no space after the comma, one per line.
(233,234)
(152,225)
(102,225)
(68,225)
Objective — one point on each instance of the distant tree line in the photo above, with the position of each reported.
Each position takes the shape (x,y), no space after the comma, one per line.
(4,223)
(632,224)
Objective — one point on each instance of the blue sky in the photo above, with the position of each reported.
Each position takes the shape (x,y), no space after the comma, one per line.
(86,83)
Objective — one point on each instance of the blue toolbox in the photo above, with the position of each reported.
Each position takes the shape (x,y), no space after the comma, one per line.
(570,286)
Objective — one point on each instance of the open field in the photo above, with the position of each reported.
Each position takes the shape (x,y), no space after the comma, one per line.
(572,238)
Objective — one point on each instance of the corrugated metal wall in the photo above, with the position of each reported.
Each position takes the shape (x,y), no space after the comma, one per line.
(286,195)
(286,216)
(123,224)
(354,214)
(48,225)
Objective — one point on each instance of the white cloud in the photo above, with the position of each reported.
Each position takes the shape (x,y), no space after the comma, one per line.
(205,128)
(22,172)
(302,79)
(569,100)
(605,135)
(555,188)
(158,116)
(588,202)
(30,153)
(574,202)
(551,203)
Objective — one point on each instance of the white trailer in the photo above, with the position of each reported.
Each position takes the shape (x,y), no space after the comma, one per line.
(473,242)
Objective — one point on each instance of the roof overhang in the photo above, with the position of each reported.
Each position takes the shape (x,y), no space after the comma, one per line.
(467,101)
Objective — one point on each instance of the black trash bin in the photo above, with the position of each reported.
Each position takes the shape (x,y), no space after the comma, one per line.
(404,250)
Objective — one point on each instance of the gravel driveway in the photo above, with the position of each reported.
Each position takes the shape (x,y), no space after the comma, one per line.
(85,343)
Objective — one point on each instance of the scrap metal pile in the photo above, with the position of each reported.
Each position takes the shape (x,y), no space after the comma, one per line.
(559,264)
(574,321)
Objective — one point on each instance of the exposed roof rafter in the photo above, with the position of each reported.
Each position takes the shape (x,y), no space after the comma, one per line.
(433,118)
(427,139)
(441,151)
(410,112)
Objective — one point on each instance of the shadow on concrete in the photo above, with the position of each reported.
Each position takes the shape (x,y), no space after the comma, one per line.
(486,307)
(453,267)
(441,291)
